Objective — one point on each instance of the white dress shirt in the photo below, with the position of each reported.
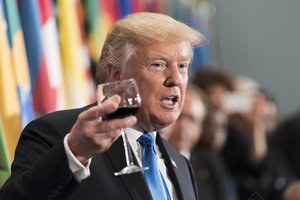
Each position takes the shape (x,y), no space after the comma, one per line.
(132,136)
(82,172)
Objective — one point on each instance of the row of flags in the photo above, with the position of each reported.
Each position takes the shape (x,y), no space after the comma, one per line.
(15,89)
(48,50)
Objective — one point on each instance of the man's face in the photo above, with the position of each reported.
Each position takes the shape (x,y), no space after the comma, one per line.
(186,131)
(161,73)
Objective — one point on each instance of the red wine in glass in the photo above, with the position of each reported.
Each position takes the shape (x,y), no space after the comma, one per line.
(123,112)
(129,105)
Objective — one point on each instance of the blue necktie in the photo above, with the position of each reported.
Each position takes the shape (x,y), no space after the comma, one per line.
(153,176)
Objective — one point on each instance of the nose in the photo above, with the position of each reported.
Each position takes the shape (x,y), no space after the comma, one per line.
(173,76)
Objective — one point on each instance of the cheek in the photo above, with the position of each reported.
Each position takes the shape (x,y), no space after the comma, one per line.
(150,90)
(182,92)
(147,95)
(144,85)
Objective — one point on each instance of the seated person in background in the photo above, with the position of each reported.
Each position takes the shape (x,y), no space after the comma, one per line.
(253,111)
(212,176)
(252,117)
(73,154)
(186,131)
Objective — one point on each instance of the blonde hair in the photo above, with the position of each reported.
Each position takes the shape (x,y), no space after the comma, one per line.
(142,29)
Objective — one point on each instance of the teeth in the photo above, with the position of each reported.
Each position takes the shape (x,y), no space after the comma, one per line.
(168,100)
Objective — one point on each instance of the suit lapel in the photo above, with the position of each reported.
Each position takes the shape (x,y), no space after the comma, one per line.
(178,170)
(135,183)
(172,171)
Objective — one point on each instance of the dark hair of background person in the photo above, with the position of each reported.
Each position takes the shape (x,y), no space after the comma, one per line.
(209,76)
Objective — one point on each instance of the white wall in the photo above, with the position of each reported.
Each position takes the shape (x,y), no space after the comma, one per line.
(261,38)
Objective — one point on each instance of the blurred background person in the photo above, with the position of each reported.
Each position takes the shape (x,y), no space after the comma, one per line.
(252,117)
(215,83)
(212,176)
(211,171)
(197,123)
(186,131)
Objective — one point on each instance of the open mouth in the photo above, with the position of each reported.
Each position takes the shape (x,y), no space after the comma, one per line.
(170,100)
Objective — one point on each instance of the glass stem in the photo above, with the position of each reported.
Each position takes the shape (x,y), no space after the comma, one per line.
(128,155)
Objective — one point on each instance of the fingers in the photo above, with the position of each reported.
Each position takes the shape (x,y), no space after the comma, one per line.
(108,138)
(108,106)
(104,143)
(115,124)
(90,136)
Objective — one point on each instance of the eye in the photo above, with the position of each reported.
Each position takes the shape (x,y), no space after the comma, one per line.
(158,65)
(183,66)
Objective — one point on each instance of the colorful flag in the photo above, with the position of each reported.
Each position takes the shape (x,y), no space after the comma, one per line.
(125,7)
(84,52)
(4,157)
(19,61)
(203,55)
(44,68)
(109,13)
(155,6)
(95,33)
(138,5)
(188,12)
(52,52)
(74,74)
(9,103)
(15,98)
(112,9)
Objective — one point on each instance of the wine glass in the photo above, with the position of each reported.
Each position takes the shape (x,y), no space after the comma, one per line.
(129,105)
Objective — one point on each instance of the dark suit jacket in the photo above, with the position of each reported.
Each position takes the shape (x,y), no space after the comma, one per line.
(210,174)
(40,170)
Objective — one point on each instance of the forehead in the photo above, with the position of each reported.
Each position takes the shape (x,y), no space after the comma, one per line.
(182,50)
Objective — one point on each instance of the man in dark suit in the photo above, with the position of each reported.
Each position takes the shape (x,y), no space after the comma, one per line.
(73,154)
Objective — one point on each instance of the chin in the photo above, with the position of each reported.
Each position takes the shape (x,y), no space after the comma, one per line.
(167,119)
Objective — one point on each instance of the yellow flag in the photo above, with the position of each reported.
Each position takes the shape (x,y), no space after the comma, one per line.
(73,63)
(9,102)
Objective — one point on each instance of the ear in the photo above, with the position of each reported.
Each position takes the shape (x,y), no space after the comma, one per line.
(113,73)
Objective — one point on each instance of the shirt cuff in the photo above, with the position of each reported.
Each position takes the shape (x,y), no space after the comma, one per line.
(79,171)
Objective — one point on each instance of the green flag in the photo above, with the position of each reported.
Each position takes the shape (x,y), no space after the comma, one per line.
(4,157)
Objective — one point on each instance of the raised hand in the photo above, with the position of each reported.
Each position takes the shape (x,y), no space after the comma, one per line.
(91,135)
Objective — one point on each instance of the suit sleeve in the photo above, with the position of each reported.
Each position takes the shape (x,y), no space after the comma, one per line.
(40,169)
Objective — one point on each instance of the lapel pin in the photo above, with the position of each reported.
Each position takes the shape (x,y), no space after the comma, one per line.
(173,163)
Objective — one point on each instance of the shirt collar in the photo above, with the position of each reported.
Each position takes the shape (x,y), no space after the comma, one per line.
(133,134)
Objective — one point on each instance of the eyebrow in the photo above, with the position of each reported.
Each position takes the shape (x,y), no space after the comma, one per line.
(161,57)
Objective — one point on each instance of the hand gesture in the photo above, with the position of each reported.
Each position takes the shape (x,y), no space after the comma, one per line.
(91,135)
